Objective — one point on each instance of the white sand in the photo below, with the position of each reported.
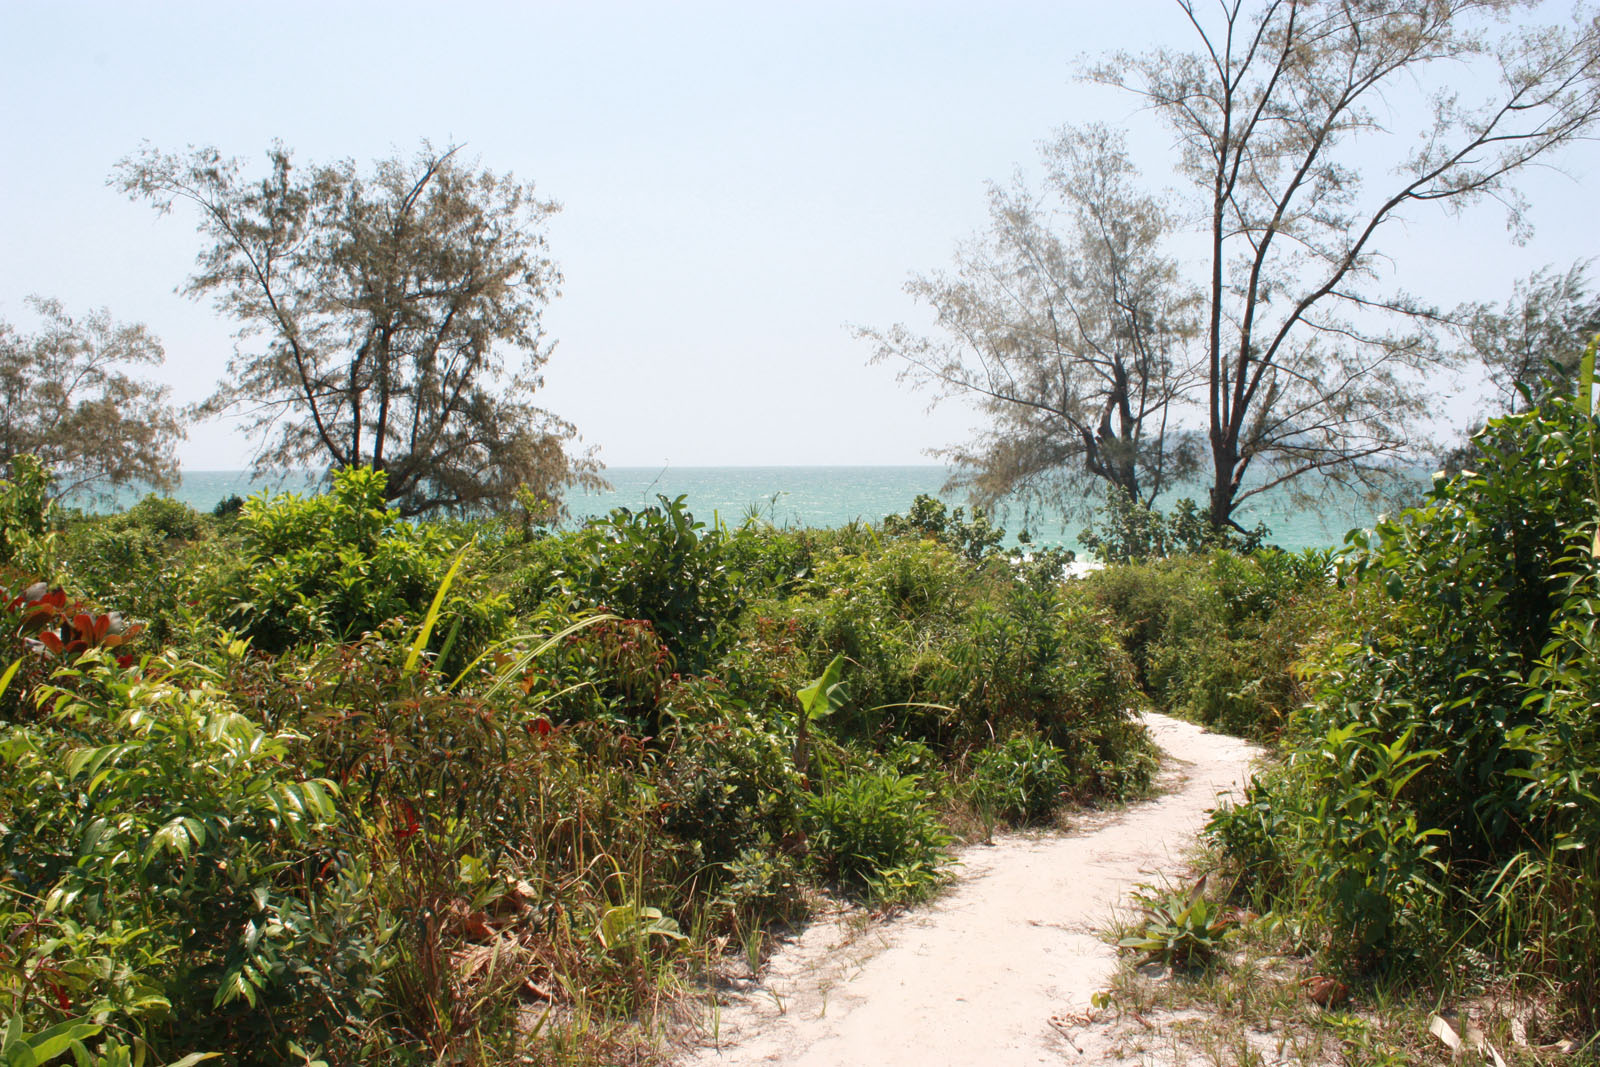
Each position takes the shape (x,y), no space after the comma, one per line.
(977,977)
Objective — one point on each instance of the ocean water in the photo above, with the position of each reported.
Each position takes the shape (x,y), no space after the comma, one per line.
(822,497)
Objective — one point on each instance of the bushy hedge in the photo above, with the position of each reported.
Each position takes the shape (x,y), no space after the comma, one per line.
(1441,788)
(334,566)
(954,653)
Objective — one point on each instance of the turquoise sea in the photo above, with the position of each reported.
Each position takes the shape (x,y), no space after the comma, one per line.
(818,497)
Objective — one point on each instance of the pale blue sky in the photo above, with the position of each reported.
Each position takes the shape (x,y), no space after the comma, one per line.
(740,181)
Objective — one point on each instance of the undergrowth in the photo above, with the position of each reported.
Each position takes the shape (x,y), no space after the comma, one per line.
(304,783)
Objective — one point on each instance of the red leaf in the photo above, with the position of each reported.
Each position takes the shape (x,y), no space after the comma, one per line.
(50,641)
(82,623)
(36,620)
(409,815)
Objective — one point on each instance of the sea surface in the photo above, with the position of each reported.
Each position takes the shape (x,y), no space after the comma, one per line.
(824,497)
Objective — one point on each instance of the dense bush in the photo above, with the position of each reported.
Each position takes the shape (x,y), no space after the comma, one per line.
(1022,780)
(657,564)
(729,783)
(1216,638)
(138,561)
(26,518)
(334,566)
(162,857)
(1128,531)
(874,831)
(954,653)
(930,519)
(1443,783)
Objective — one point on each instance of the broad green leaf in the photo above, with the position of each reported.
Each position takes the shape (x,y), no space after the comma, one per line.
(46,1045)
(820,697)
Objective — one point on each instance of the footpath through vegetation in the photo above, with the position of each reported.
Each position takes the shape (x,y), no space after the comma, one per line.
(304,782)
(1003,968)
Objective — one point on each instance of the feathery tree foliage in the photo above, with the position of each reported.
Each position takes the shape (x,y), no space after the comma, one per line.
(389,318)
(1067,325)
(1315,363)
(67,397)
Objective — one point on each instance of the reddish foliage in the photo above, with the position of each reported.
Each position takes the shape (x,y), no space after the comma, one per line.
(48,623)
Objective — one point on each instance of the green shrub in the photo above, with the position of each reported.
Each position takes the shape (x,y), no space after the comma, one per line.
(1128,531)
(728,780)
(1217,638)
(764,883)
(545,823)
(26,518)
(873,832)
(334,566)
(169,519)
(930,519)
(773,561)
(950,653)
(658,564)
(161,857)
(1441,787)
(1022,780)
(140,562)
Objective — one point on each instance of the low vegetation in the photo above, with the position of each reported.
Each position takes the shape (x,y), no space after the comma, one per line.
(302,782)
(1424,837)
(1435,812)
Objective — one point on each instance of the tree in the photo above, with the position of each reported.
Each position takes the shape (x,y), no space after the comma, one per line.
(397,314)
(67,397)
(1532,343)
(1313,364)
(1067,325)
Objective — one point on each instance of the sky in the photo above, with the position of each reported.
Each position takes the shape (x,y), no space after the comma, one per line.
(740,183)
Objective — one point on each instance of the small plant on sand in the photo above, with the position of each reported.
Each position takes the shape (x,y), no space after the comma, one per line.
(1183,928)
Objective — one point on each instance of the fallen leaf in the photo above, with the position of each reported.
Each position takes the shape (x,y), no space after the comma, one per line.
(1326,991)
(1446,1033)
(1564,1047)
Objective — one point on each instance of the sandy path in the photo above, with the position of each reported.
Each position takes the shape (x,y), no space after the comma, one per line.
(976,977)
